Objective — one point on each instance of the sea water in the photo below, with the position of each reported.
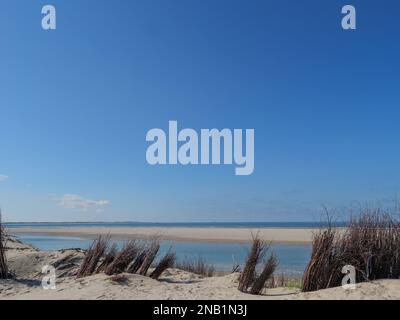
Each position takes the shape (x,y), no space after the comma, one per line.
(293,258)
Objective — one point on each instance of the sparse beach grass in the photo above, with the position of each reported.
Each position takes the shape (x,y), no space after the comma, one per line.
(124,257)
(197,266)
(284,281)
(166,262)
(4,270)
(249,280)
(370,244)
(93,255)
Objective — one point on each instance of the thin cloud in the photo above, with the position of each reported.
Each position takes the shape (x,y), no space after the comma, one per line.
(73,201)
(3,177)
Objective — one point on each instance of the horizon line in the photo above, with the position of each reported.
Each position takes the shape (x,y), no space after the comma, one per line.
(171,222)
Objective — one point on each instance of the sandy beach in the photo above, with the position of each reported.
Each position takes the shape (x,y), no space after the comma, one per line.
(27,262)
(274,235)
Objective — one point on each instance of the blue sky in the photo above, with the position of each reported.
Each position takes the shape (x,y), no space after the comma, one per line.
(76,104)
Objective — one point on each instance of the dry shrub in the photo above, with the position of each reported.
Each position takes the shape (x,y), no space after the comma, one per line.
(119,278)
(68,264)
(137,262)
(151,253)
(198,266)
(93,255)
(267,272)
(235,268)
(4,271)
(122,260)
(249,281)
(282,280)
(323,269)
(248,274)
(370,243)
(108,258)
(166,262)
(278,281)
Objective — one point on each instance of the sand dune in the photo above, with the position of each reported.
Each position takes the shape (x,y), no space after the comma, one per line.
(27,262)
(177,284)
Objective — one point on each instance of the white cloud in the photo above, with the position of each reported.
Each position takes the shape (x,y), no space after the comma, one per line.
(3,177)
(73,201)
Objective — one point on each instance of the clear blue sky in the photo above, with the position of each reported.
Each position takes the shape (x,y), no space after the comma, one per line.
(76,104)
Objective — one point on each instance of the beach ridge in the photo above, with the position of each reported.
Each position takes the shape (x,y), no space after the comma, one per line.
(227,235)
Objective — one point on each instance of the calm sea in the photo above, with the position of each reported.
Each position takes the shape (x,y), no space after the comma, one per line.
(293,258)
(170,225)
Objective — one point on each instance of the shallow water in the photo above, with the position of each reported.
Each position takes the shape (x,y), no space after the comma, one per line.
(292,258)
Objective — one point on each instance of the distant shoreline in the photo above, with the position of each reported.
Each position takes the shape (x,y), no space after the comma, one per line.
(123,224)
(227,235)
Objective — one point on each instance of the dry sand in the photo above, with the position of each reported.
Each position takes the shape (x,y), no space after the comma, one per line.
(27,263)
(275,235)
